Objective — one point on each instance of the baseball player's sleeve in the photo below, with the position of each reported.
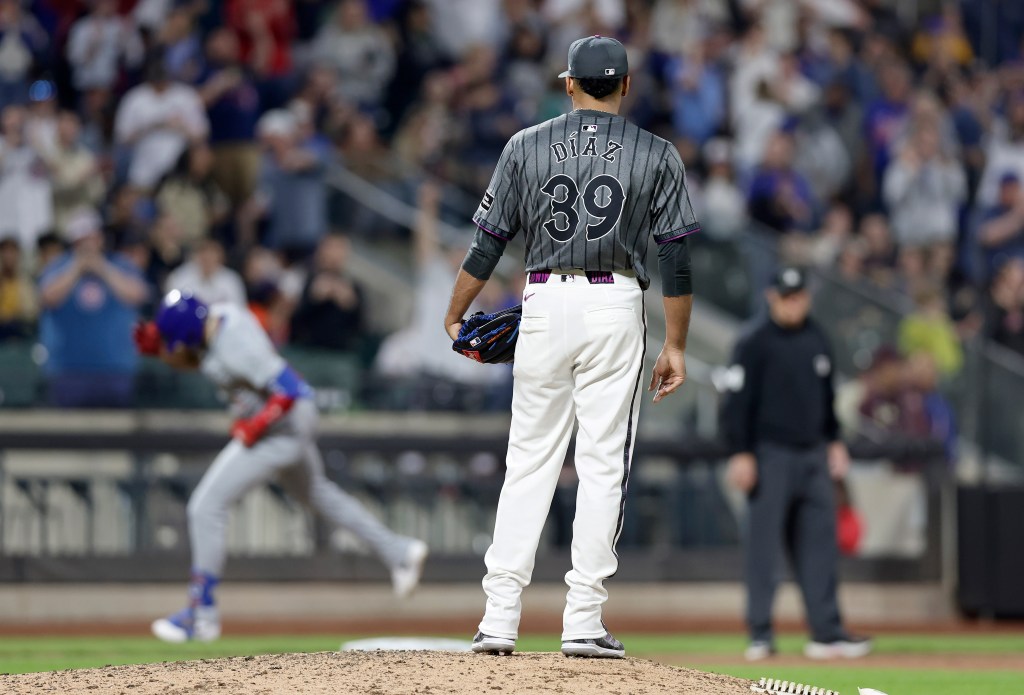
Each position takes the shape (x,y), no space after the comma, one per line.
(498,214)
(740,383)
(672,216)
(497,219)
(672,221)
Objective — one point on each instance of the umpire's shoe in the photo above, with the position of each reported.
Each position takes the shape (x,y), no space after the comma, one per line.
(486,644)
(606,647)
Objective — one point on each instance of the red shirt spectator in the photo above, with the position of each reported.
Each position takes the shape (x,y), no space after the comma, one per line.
(265,29)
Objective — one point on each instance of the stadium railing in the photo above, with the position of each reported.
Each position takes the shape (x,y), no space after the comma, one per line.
(88,499)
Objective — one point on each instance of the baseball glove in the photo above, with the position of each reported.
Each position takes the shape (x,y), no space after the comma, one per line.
(490,338)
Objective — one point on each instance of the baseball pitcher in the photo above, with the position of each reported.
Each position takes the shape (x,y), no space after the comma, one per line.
(273,437)
(588,189)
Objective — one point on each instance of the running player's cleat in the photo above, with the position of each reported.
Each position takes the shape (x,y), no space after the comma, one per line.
(486,644)
(406,576)
(606,647)
(200,624)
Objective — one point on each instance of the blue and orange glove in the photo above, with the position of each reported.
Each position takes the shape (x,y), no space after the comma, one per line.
(251,430)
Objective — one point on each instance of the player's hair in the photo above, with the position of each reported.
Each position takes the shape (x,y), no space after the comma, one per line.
(599,87)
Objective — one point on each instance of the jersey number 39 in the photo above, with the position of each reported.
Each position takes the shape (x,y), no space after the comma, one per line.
(564,193)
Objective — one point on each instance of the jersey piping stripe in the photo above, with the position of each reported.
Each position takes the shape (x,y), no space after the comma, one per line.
(687,231)
(627,450)
(493,231)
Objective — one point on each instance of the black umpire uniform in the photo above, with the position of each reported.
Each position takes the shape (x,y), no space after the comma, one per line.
(778,408)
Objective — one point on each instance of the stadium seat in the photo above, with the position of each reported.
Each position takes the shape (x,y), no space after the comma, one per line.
(19,375)
(337,376)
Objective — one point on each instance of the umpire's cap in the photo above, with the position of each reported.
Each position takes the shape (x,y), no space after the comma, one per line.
(181,319)
(597,56)
(789,280)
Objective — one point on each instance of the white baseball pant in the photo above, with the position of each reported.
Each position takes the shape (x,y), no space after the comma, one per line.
(579,357)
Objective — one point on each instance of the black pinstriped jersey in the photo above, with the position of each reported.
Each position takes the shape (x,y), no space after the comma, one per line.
(588,189)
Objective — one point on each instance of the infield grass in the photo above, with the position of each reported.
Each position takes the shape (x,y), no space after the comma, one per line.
(717,653)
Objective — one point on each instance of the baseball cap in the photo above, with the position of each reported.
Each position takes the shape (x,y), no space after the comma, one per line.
(597,56)
(276,122)
(789,280)
(83,223)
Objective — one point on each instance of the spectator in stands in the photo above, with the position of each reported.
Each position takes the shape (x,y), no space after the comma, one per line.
(419,52)
(940,42)
(879,250)
(698,96)
(292,194)
(166,250)
(41,115)
(330,313)
(1005,151)
(265,29)
(318,96)
(1006,313)
(74,171)
(128,212)
(779,196)
(206,276)
(822,248)
(233,108)
(49,247)
(724,211)
(427,133)
(156,121)
(867,402)
(929,329)
(262,273)
(418,353)
(100,43)
(90,302)
(846,117)
(22,43)
(676,23)
(523,67)
(461,24)
(820,155)
(924,190)
(358,50)
(18,303)
(922,378)
(180,45)
(26,199)
(844,68)
(487,109)
(190,195)
(884,117)
(1001,234)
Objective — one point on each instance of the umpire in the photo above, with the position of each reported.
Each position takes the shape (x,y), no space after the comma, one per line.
(779,422)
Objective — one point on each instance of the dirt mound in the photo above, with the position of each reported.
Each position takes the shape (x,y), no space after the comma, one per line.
(381,673)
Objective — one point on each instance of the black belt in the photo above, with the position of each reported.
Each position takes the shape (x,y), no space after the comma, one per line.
(594,277)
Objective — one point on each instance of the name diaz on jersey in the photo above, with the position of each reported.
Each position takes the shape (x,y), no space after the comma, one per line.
(570,148)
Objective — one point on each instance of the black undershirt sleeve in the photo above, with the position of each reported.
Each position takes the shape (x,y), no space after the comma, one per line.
(483,255)
(674,261)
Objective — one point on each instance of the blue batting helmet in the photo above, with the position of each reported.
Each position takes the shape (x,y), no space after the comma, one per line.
(181,319)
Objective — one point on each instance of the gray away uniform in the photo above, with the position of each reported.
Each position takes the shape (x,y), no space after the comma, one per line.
(242,361)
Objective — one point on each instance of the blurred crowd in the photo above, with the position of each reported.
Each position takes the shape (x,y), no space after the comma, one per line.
(147,145)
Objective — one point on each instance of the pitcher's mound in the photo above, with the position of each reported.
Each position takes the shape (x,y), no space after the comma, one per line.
(382,673)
